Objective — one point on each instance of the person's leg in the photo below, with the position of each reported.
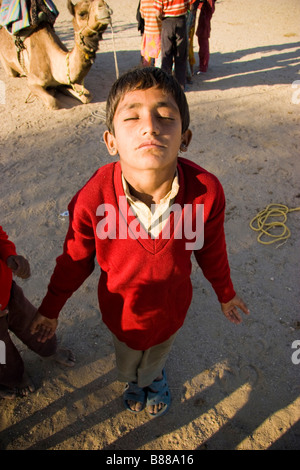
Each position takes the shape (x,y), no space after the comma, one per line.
(153,362)
(142,370)
(203,54)
(127,361)
(12,370)
(13,378)
(181,51)
(151,371)
(203,34)
(20,316)
(167,45)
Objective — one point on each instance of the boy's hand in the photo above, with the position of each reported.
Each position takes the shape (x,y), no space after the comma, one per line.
(231,312)
(44,327)
(19,266)
(4,312)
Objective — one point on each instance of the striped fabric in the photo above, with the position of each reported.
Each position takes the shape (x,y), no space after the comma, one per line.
(152,23)
(15,15)
(172,7)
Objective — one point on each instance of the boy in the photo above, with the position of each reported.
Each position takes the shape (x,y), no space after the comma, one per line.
(16,314)
(130,216)
(174,40)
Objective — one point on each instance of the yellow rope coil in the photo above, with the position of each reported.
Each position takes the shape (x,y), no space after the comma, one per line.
(274,215)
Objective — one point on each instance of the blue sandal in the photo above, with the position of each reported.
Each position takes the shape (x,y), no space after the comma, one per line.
(158,392)
(135,393)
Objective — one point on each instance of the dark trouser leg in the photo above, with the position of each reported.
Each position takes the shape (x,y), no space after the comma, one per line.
(12,371)
(18,320)
(21,314)
(181,51)
(167,45)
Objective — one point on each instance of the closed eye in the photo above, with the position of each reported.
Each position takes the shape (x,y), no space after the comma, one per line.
(166,117)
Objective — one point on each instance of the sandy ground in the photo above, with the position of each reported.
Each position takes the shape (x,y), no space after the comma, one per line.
(233,387)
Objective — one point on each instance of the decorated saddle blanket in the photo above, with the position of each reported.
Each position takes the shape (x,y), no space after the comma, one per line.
(16,15)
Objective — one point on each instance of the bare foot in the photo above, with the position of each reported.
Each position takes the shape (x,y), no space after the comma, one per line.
(21,389)
(64,357)
(134,397)
(135,405)
(26,386)
(7,393)
(153,410)
(158,396)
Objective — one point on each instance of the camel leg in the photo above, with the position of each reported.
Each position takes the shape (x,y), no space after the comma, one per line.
(8,70)
(45,95)
(82,95)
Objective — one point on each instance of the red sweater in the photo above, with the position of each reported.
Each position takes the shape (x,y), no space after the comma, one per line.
(144,288)
(7,248)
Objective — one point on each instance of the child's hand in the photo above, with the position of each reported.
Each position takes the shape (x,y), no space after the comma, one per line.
(4,312)
(44,327)
(19,266)
(231,312)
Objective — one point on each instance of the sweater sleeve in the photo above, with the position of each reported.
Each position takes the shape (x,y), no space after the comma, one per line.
(74,265)
(212,258)
(7,248)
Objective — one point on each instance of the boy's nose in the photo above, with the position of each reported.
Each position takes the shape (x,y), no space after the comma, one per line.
(150,124)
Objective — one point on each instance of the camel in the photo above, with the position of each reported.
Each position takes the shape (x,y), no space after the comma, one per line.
(47,63)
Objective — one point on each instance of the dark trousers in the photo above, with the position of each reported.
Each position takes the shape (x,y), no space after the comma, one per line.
(18,320)
(174,47)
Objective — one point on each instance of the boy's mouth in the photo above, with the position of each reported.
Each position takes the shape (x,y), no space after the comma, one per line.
(150,143)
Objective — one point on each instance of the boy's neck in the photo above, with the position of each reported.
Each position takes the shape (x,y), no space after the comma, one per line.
(151,186)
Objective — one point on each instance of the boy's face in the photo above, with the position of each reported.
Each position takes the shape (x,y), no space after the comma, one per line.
(148,131)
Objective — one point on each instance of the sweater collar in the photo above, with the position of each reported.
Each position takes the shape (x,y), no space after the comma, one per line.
(151,244)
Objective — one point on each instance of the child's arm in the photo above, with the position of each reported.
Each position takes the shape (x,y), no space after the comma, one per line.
(9,262)
(73,266)
(213,259)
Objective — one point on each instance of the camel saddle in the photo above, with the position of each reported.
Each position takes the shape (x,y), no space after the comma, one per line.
(19,16)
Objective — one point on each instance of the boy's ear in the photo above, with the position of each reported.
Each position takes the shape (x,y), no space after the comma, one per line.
(110,143)
(185,140)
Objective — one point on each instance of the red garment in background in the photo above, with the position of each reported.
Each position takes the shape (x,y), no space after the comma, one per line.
(203,32)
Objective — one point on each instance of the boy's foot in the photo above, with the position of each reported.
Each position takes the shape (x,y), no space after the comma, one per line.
(134,397)
(7,393)
(64,357)
(158,397)
(26,386)
(21,389)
